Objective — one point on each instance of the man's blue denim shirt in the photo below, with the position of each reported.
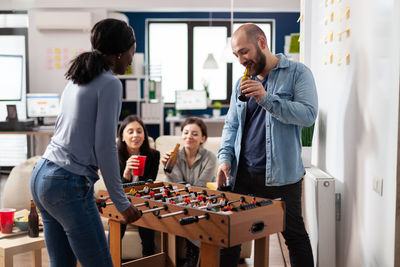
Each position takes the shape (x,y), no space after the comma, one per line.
(291,102)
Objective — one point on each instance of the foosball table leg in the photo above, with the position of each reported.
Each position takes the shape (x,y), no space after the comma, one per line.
(168,245)
(209,255)
(115,242)
(261,252)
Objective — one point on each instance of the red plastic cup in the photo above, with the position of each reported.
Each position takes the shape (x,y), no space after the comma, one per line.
(6,220)
(140,168)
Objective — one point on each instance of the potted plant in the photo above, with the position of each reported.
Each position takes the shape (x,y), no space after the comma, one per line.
(170,112)
(306,142)
(217,109)
(205,86)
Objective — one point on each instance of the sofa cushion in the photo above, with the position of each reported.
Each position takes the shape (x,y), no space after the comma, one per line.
(17,192)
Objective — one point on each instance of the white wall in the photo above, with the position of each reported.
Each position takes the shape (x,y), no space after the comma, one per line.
(356,132)
(44,76)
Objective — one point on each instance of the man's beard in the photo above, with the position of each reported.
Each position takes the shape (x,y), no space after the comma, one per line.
(260,64)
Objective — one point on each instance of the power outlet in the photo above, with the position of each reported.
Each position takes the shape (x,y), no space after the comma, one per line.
(377,185)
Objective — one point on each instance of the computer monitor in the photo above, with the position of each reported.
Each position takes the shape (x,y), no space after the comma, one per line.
(42,105)
(190,99)
(11,77)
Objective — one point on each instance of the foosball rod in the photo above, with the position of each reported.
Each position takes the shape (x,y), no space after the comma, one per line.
(133,184)
(241,199)
(155,208)
(105,204)
(184,211)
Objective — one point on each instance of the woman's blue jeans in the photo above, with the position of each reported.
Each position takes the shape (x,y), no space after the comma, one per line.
(71,221)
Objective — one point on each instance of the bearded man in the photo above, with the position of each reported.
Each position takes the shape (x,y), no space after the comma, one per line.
(260,151)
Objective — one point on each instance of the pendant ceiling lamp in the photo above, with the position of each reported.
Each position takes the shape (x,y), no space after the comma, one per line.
(210,62)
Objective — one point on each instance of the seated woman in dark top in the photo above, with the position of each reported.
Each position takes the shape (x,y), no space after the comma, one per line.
(133,140)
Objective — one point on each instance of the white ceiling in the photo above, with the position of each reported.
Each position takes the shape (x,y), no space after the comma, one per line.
(160,5)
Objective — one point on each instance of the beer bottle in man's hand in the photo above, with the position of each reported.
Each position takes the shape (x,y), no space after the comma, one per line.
(172,159)
(246,76)
(33,221)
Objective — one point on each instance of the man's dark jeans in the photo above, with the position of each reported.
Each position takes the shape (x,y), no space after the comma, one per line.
(295,234)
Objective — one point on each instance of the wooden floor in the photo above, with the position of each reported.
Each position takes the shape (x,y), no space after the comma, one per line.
(276,260)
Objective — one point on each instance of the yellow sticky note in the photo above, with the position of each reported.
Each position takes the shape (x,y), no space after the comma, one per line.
(57,65)
(331,36)
(347,32)
(57,50)
(347,58)
(56,57)
(331,58)
(347,12)
(332,16)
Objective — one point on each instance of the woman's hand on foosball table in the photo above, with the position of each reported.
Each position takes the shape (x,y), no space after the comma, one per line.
(130,215)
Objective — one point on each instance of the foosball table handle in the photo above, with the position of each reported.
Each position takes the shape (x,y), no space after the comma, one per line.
(193,219)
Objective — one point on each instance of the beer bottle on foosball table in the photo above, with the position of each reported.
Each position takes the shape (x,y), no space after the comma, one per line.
(172,159)
(33,221)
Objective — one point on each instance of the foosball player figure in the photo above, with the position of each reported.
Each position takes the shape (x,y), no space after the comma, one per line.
(152,194)
(223,202)
(178,196)
(164,194)
(189,188)
(186,200)
(171,201)
(200,198)
(146,188)
(132,191)
(138,194)
(253,200)
(228,207)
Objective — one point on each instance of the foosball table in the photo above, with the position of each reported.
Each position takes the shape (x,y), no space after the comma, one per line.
(216,218)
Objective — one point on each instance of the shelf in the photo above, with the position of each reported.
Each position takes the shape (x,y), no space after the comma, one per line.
(131,76)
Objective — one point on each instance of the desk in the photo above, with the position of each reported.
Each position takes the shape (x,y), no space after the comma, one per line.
(214,125)
(21,244)
(42,132)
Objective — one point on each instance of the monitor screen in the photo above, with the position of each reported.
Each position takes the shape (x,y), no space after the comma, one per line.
(190,99)
(11,76)
(43,105)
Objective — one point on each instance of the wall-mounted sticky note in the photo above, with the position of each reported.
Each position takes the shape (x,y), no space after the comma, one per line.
(57,50)
(332,16)
(331,36)
(57,57)
(347,58)
(331,58)
(347,31)
(57,65)
(347,12)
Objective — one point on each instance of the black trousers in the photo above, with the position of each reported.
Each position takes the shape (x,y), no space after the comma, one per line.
(295,234)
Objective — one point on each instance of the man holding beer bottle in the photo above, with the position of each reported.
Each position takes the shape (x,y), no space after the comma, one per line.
(261,148)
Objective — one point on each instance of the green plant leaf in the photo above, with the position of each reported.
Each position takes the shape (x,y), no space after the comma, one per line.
(307,135)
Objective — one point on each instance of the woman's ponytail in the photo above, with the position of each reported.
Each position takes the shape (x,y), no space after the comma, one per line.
(86,67)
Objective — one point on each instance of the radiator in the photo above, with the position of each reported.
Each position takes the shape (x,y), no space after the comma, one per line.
(319,215)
